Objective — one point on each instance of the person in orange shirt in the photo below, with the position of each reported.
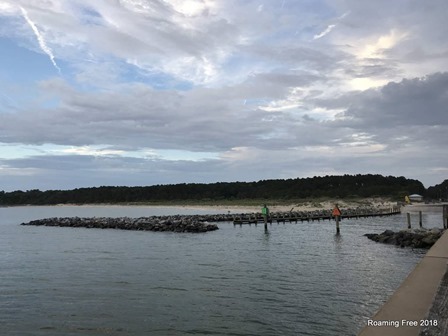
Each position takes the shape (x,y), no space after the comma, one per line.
(336,211)
(337,216)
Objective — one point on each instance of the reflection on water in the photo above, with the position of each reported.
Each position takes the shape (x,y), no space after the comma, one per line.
(294,279)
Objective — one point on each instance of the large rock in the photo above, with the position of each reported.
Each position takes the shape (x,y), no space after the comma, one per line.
(418,238)
(186,224)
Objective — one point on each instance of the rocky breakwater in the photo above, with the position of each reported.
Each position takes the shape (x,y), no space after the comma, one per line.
(417,238)
(155,223)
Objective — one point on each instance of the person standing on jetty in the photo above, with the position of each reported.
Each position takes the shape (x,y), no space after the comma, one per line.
(265,210)
(336,211)
(337,216)
(265,213)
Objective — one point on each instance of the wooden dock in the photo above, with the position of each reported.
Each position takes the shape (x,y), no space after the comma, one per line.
(314,216)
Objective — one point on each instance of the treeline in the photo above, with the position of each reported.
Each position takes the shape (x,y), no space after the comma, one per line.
(327,186)
(438,192)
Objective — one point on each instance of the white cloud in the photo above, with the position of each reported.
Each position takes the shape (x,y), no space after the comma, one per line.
(379,45)
(191,7)
(365,83)
(88,150)
(219,85)
(7,9)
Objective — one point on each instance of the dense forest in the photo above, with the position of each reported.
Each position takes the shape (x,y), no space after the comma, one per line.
(345,186)
(438,192)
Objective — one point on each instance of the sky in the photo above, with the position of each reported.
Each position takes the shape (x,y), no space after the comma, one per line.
(145,92)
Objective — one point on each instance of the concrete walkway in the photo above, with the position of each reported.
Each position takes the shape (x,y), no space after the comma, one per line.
(409,306)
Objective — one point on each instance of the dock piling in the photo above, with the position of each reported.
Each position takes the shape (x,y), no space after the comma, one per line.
(337,225)
(445,216)
(265,213)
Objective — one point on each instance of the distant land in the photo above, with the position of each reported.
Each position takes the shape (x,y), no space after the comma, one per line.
(336,186)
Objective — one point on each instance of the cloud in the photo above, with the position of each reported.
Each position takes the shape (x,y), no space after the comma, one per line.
(40,39)
(238,87)
(325,32)
(413,102)
(406,113)
(140,116)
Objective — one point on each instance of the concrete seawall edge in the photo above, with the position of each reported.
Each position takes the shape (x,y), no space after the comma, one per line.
(412,301)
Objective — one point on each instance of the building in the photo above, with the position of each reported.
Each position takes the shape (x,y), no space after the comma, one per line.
(416,198)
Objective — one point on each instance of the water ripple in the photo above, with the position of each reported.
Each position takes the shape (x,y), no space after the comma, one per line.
(299,279)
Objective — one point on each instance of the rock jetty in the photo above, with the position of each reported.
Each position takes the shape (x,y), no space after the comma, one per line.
(417,238)
(199,223)
(155,223)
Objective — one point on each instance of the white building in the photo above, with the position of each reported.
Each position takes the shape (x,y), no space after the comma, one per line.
(416,198)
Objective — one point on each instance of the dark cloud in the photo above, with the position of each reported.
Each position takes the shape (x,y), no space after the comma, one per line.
(374,68)
(200,120)
(413,102)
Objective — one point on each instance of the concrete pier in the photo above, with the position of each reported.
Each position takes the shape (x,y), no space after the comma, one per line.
(408,309)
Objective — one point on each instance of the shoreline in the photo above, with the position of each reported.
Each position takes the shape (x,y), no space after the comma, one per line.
(431,207)
(276,206)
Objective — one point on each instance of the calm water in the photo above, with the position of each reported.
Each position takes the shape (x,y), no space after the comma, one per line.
(299,279)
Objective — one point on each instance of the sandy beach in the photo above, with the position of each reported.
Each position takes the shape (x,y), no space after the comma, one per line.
(306,205)
(301,206)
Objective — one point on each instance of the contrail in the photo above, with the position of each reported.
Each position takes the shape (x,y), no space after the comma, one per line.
(40,39)
(325,32)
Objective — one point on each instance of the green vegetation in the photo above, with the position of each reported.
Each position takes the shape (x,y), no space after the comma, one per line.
(438,192)
(290,190)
